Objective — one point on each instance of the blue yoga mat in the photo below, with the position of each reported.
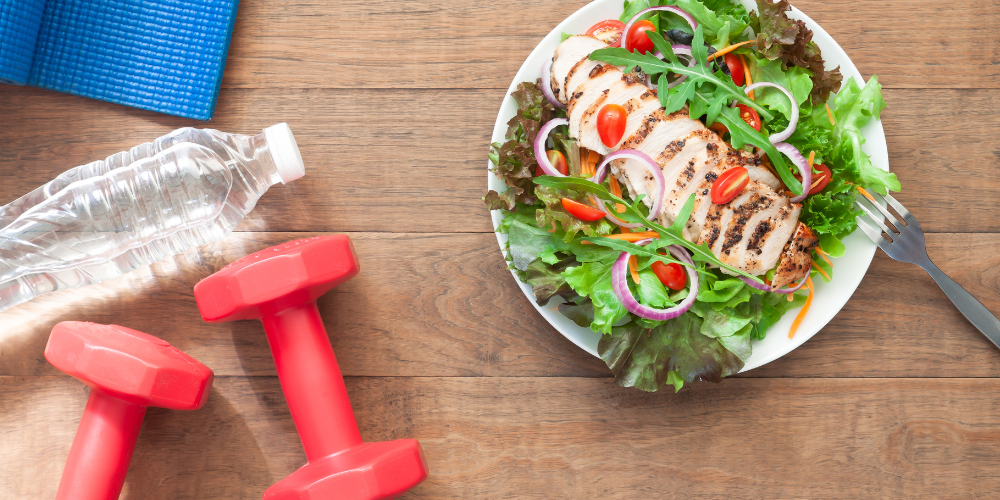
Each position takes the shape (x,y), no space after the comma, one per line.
(161,55)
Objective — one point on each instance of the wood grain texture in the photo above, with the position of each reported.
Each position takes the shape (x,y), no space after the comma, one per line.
(543,438)
(453,44)
(444,305)
(422,168)
(393,105)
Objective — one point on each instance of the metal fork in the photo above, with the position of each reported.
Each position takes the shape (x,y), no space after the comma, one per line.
(905,243)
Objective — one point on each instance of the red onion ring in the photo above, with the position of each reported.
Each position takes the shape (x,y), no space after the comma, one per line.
(800,161)
(547,84)
(611,217)
(651,165)
(670,8)
(764,288)
(792,120)
(620,287)
(543,135)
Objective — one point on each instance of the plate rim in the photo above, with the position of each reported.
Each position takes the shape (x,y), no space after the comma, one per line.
(860,250)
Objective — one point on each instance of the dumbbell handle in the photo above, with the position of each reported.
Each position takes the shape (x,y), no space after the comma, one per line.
(311,380)
(102,449)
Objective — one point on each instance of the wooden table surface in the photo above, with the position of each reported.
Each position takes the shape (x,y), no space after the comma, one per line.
(393,105)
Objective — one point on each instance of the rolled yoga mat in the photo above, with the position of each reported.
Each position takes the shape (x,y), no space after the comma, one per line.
(161,55)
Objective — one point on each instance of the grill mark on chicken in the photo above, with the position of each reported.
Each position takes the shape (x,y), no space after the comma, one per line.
(758,235)
(569,75)
(597,71)
(796,257)
(741,215)
(644,130)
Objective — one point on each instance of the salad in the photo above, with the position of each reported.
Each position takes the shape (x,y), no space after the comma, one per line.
(677,177)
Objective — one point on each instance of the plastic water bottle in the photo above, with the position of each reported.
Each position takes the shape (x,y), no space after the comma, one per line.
(104,219)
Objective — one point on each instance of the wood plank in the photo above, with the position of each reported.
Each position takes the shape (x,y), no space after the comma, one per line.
(428,157)
(444,305)
(547,438)
(453,44)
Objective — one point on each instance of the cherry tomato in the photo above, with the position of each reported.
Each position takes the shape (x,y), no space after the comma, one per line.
(581,211)
(671,275)
(609,32)
(735,69)
(637,40)
(611,124)
(823,177)
(750,116)
(729,184)
(557,160)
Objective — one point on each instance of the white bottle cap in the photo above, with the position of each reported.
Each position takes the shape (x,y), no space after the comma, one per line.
(285,152)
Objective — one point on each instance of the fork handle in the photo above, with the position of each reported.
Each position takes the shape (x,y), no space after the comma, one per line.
(972,309)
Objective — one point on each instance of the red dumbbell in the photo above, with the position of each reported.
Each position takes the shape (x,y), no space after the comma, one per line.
(279,286)
(127,371)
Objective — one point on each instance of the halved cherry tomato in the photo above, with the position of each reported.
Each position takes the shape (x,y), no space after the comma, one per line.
(750,116)
(557,160)
(611,124)
(821,179)
(581,211)
(729,184)
(609,32)
(735,69)
(671,275)
(637,40)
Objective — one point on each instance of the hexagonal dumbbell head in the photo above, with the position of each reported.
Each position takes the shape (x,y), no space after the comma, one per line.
(371,471)
(130,365)
(277,278)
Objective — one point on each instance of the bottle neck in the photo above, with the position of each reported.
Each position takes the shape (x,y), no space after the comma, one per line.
(263,156)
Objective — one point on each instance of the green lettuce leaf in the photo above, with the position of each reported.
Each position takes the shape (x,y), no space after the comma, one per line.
(790,41)
(593,279)
(644,358)
(853,108)
(797,80)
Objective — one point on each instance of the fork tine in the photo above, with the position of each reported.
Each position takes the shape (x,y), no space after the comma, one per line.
(873,234)
(900,209)
(888,215)
(874,218)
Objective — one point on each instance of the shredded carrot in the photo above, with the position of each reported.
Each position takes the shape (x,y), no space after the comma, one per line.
(633,267)
(790,298)
(616,189)
(821,271)
(830,114)
(746,75)
(816,183)
(553,227)
(865,193)
(729,49)
(823,255)
(805,308)
(812,159)
(632,237)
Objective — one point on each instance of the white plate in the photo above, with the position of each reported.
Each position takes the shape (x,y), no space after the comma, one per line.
(849,269)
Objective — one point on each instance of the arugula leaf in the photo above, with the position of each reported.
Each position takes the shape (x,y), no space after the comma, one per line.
(700,253)
(698,74)
(742,133)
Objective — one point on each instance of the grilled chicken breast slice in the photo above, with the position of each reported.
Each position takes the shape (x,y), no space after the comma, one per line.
(568,55)
(749,233)
(796,258)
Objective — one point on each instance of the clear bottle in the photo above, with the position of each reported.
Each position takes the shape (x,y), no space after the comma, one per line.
(104,219)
